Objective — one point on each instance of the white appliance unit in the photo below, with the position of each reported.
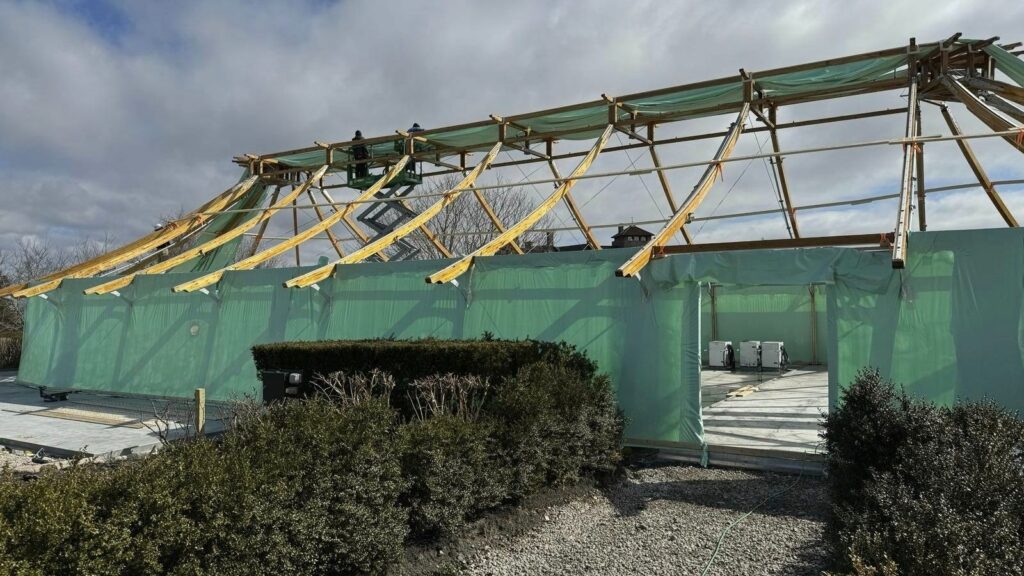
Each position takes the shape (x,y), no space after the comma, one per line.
(773,355)
(750,354)
(720,354)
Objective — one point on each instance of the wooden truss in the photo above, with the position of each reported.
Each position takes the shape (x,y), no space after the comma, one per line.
(952,70)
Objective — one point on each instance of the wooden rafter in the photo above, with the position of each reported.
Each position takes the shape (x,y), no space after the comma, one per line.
(462,265)
(259,258)
(263,227)
(493,217)
(429,234)
(663,180)
(783,184)
(899,249)
(979,171)
(212,244)
(633,266)
(401,231)
(320,217)
(570,203)
(172,231)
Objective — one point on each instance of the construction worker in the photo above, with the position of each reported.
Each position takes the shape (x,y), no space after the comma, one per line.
(359,152)
(411,166)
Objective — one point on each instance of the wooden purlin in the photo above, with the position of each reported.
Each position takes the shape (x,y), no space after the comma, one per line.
(257,259)
(462,265)
(186,225)
(401,231)
(211,244)
(899,247)
(991,119)
(707,180)
(979,171)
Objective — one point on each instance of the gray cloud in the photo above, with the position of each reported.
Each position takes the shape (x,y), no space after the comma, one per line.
(104,131)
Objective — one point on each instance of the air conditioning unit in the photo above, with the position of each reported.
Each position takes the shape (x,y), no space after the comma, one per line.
(773,355)
(750,354)
(720,354)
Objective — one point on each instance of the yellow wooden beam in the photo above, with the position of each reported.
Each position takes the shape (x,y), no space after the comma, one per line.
(281,247)
(902,233)
(176,229)
(324,272)
(213,243)
(456,269)
(707,180)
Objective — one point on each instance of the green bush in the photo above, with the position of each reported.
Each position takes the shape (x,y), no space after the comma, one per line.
(10,351)
(555,425)
(920,489)
(454,474)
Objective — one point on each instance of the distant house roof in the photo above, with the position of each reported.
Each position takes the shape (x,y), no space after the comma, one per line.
(633,231)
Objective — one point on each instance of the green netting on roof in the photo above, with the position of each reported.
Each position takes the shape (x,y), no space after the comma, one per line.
(588,122)
(1007,63)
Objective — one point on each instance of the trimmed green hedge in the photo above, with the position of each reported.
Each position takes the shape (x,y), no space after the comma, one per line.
(317,486)
(921,489)
(408,360)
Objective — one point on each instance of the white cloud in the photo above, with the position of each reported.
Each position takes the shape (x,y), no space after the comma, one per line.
(103,131)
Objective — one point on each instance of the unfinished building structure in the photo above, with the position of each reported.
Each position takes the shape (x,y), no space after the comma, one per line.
(940,312)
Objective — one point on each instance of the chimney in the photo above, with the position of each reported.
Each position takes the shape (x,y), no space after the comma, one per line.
(621,228)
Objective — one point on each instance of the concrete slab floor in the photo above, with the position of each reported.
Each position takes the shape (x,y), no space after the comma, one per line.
(784,414)
(91,424)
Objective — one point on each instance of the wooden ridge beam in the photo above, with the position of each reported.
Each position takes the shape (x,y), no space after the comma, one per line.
(324,272)
(881,240)
(186,225)
(212,244)
(633,266)
(457,268)
(899,250)
(281,247)
(979,171)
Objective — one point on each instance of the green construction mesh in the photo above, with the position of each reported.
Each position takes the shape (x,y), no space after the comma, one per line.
(949,326)
(1007,63)
(225,254)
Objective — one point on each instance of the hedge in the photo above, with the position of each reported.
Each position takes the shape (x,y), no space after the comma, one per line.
(921,489)
(408,360)
(315,486)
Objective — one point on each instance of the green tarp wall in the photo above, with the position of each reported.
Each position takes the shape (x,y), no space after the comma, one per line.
(949,326)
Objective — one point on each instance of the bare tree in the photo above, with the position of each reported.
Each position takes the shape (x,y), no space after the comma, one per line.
(464,226)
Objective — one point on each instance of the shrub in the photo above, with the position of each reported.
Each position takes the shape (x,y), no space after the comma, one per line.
(10,351)
(453,472)
(920,489)
(555,425)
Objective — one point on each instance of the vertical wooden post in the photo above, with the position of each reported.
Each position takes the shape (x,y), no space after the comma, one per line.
(814,324)
(200,414)
(714,310)
(922,221)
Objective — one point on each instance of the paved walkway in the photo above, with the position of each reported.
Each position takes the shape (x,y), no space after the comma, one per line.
(90,424)
(784,414)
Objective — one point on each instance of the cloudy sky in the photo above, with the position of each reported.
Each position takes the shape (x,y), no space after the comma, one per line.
(115,113)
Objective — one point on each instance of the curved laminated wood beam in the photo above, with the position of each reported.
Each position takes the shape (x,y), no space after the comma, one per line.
(707,180)
(213,243)
(281,247)
(457,268)
(183,226)
(991,118)
(324,272)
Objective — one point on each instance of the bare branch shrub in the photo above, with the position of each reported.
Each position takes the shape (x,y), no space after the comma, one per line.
(441,394)
(356,388)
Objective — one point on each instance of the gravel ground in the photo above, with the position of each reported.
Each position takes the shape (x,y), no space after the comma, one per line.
(666,520)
